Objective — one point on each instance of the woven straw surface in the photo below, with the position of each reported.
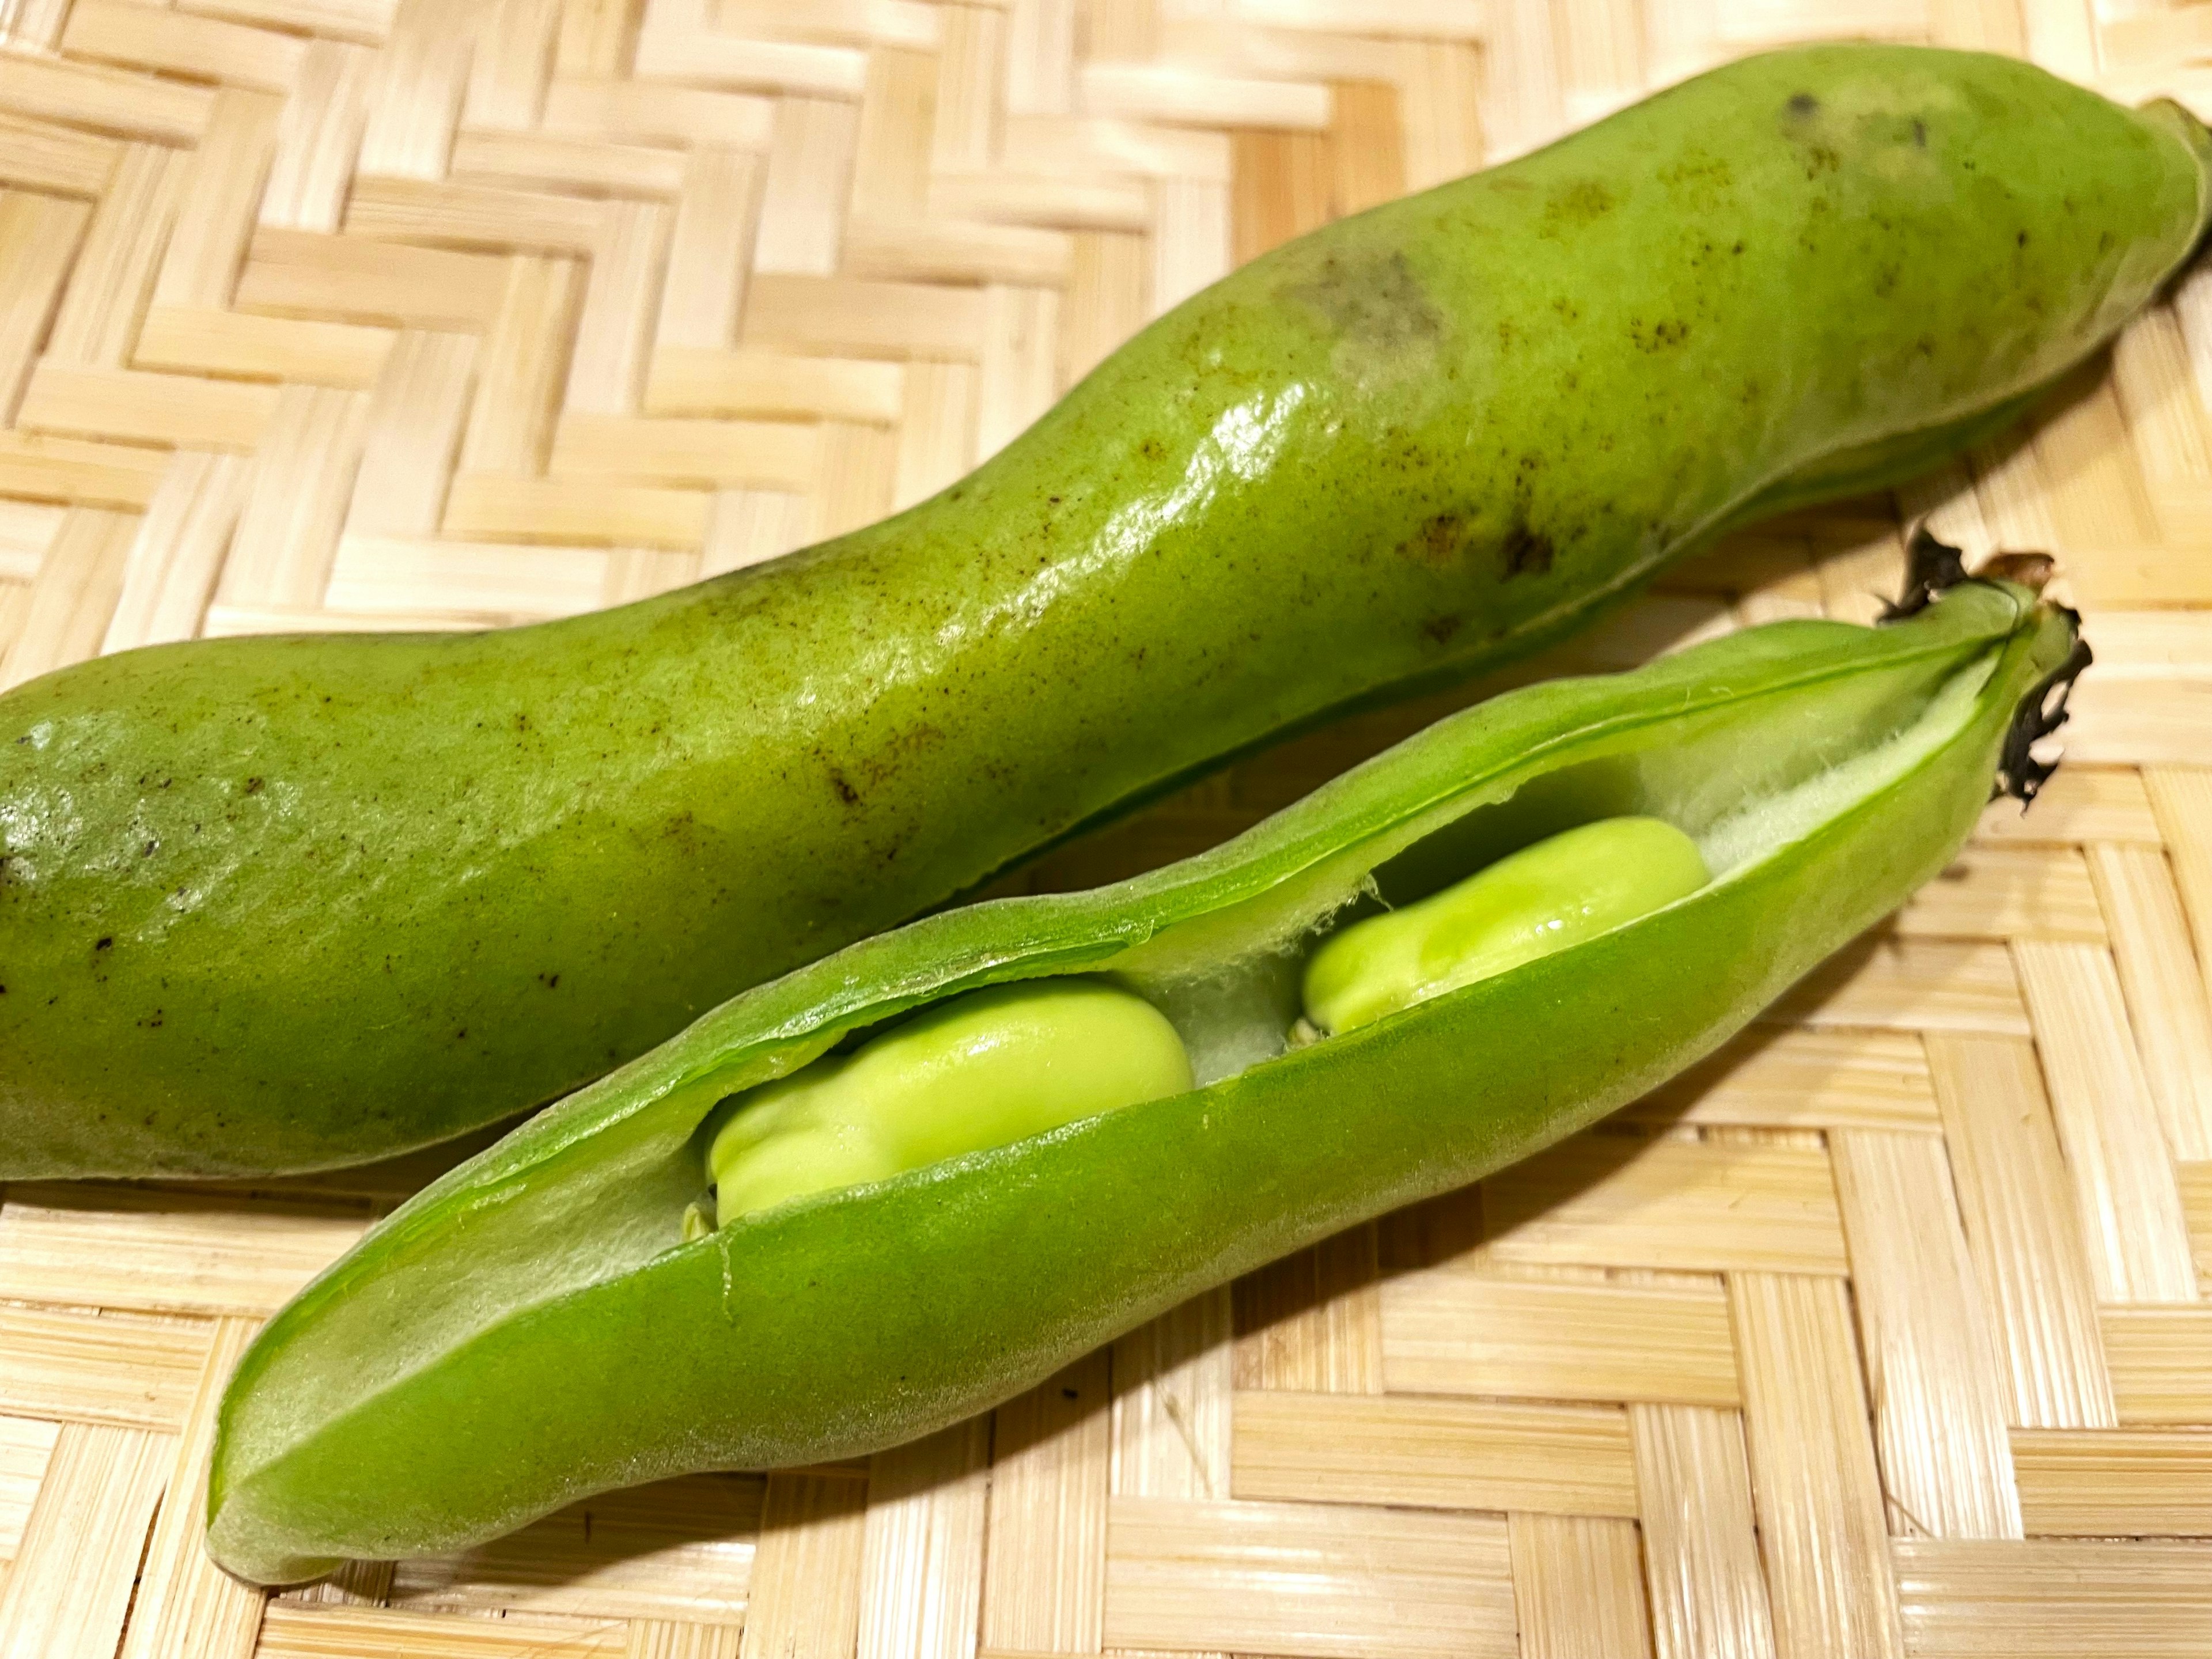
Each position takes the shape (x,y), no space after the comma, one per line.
(1883,1335)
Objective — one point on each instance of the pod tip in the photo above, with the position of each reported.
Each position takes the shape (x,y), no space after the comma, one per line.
(2041,713)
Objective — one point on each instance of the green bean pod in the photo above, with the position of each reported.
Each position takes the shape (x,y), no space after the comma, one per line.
(543,1322)
(284,903)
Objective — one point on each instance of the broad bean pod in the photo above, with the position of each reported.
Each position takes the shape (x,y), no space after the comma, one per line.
(284,903)
(549,1319)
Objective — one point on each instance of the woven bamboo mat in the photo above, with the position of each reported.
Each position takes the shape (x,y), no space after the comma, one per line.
(1883,1335)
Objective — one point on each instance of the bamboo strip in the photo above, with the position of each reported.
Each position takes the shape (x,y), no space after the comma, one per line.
(533,160)
(1016,380)
(204,340)
(1605,1200)
(519,380)
(2054,1600)
(845,317)
(163,1252)
(1045,1544)
(1313,1321)
(2114,1482)
(26,1448)
(2167,1002)
(641,112)
(639,573)
(1341,1583)
(897,122)
(184,1605)
(2182,798)
(1041,201)
(859,467)
(687,380)
(27,529)
(1931,1361)
(1803,1080)
(1447,1331)
(1062,148)
(1190,239)
(2094,484)
(936,442)
(167,409)
(291,1630)
(2124,1180)
(317,138)
(2166,424)
(1432,1453)
(76,1368)
(2002,893)
(1944,500)
(229,622)
(402,580)
(1709,1599)
(302,273)
(749,525)
(662,1638)
(63,160)
(1859,574)
(681,1550)
(39,239)
(288,533)
(708,454)
(1040,58)
(2140,575)
(1173,1380)
(489,507)
(810,169)
(2160,1358)
(1577,1588)
(949,250)
(801,69)
(410,435)
(1911,984)
(354,1584)
(508,66)
(368,22)
(1107,300)
(74,595)
(69,1588)
(86,475)
(105,99)
(2144,721)
(472,216)
(710,252)
(416,103)
(2022,1230)
(614,333)
(805,1594)
(1440,97)
(965,110)
(921,1572)
(222,192)
(1818,1493)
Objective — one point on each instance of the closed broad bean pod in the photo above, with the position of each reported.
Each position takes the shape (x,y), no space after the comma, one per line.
(899,1248)
(284,903)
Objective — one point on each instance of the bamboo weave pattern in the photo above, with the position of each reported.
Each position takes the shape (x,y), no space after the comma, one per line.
(1884,1335)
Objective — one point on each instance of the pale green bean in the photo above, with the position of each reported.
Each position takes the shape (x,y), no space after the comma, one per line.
(1564,889)
(978,1071)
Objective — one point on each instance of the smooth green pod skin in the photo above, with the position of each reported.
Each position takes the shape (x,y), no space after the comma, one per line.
(284,903)
(532,1328)
(1565,888)
(978,1071)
